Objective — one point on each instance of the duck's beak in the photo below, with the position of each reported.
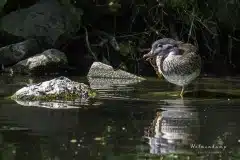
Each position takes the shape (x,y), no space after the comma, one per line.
(148,56)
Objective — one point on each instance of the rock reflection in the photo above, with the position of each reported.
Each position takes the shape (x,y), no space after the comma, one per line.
(174,130)
(57,104)
(108,83)
(113,88)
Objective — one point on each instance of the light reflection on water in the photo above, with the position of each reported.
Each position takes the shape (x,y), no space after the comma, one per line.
(123,123)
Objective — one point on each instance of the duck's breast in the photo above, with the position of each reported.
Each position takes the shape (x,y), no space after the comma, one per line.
(181,69)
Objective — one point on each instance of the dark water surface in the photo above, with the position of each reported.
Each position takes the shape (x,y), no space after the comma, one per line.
(125,122)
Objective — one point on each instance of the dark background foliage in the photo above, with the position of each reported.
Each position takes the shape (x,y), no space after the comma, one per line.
(213,26)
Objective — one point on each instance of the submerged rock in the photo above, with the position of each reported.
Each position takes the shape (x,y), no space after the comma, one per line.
(46,19)
(60,88)
(49,61)
(101,70)
(15,52)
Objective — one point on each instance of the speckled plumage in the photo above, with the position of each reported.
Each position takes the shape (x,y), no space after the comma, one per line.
(179,69)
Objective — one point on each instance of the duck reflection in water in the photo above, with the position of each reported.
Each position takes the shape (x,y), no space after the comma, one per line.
(173,131)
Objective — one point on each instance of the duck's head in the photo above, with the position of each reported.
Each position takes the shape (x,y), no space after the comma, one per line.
(160,48)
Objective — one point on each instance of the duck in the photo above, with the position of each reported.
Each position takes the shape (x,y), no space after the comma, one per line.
(152,60)
(178,62)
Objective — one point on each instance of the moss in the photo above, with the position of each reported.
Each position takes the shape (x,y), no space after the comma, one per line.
(63,96)
(196,94)
(8,98)
(92,93)
(212,94)
(157,95)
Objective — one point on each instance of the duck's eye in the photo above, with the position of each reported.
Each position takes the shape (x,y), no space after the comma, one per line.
(168,47)
(159,45)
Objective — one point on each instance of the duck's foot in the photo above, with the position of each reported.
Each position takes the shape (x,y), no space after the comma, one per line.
(181,94)
(159,75)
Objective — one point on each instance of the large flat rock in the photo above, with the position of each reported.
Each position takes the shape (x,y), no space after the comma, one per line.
(101,70)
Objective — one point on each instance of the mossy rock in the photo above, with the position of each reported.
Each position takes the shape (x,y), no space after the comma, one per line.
(60,88)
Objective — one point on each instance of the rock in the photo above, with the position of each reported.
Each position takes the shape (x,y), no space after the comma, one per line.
(46,19)
(49,61)
(6,39)
(60,88)
(13,53)
(101,70)
(104,78)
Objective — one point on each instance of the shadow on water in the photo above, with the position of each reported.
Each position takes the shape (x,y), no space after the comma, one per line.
(127,122)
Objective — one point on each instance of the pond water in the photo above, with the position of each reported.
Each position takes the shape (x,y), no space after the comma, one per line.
(135,121)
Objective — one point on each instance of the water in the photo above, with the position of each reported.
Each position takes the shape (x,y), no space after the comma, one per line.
(135,121)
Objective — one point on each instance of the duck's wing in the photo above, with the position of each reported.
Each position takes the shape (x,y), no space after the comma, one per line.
(186,48)
(169,41)
(182,64)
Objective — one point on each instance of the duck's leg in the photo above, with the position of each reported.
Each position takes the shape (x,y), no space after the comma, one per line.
(159,75)
(181,94)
